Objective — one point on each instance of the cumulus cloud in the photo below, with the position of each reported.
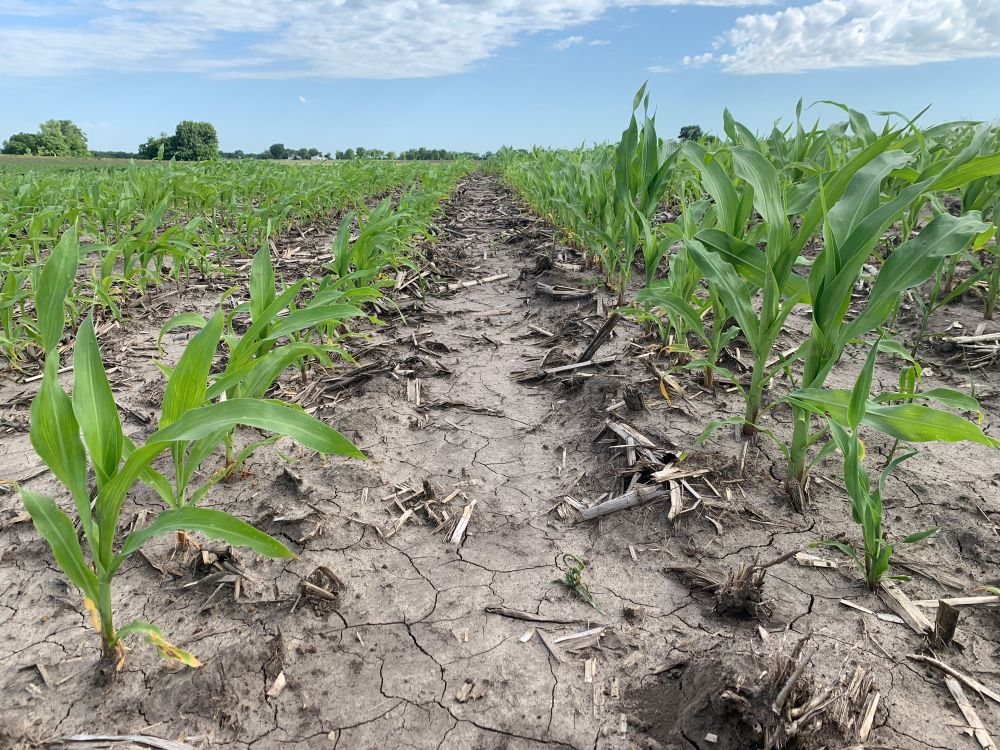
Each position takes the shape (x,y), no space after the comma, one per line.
(860,33)
(286,38)
(570,41)
(696,61)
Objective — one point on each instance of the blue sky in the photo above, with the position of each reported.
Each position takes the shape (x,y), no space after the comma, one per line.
(477,74)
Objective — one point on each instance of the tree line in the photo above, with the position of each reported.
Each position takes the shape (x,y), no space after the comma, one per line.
(198,141)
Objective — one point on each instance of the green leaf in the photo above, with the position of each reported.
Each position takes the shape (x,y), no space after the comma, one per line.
(214,524)
(861,391)
(307,317)
(730,287)
(57,529)
(261,283)
(94,405)
(913,423)
(183,320)
(265,415)
(55,436)
(845,548)
(57,278)
(189,380)
(911,264)
(920,535)
(951,397)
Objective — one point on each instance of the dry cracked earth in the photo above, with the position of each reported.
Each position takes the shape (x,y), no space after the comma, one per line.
(420,642)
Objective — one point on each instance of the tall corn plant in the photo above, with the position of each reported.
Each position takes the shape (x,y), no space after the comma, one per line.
(848,204)
(641,174)
(73,434)
(851,229)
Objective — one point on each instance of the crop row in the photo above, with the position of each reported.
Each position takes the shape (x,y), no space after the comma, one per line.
(737,233)
(224,377)
(141,225)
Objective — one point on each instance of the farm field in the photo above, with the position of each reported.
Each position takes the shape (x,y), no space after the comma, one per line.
(657,444)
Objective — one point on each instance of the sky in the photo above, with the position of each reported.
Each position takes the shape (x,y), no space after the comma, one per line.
(478,74)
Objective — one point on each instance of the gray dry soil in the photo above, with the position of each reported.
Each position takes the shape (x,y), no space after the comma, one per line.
(407,653)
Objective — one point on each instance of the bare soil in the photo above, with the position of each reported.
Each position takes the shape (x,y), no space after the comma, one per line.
(424,643)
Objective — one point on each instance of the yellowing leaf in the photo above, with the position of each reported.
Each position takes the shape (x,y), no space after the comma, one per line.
(663,390)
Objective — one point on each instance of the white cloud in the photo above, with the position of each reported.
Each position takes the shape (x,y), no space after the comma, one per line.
(860,33)
(598,42)
(303,99)
(659,69)
(570,41)
(696,61)
(287,38)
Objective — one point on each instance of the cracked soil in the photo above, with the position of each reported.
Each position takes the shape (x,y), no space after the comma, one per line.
(408,655)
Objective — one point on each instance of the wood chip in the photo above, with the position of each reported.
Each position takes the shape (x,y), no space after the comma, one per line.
(277,686)
(975,723)
(638,495)
(868,715)
(903,606)
(971,682)
(945,623)
(960,601)
(459,533)
(812,561)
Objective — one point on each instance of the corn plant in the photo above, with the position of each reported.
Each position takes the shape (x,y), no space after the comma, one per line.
(72,434)
(255,359)
(850,231)
(866,501)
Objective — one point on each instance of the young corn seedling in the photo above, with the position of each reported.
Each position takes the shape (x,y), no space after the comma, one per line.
(73,434)
(866,500)
(573,579)
(255,359)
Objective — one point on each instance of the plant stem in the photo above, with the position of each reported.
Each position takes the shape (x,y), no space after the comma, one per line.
(103,605)
(754,397)
(799,448)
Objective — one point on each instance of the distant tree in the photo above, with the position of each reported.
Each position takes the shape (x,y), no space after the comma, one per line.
(62,138)
(278,151)
(24,144)
(155,147)
(191,141)
(54,138)
(691,133)
(349,154)
(194,141)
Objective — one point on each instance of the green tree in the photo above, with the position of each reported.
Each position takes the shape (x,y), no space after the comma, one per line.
(21,143)
(691,133)
(278,151)
(194,141)
(155,147)
(54,138)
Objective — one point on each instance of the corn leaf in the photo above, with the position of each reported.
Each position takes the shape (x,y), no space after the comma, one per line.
(94,405)
(57,529)
(214,524)
(55,281)
(913,423)
(189,380)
